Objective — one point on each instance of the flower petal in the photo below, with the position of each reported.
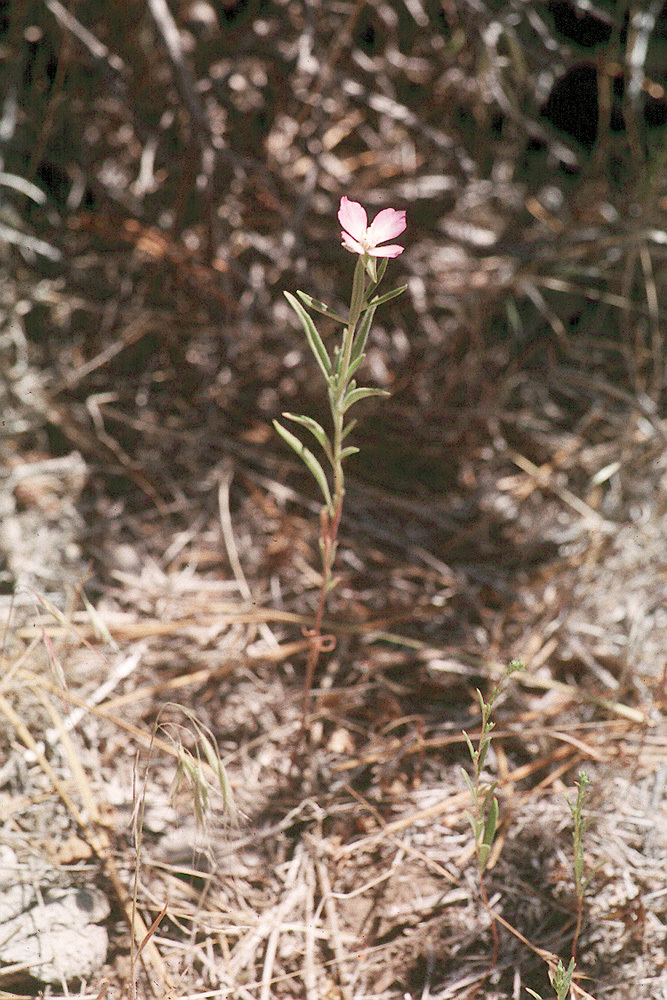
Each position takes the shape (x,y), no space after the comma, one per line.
(352,217)
(385,226)
(390,251)
(351,244)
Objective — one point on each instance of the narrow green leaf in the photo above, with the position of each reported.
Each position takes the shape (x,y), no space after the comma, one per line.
(473,823)
(486,836)
(350,427)
(388,296)
(361,335)
(312,336)
(379,275)
(346,452)
(488,791)
(484,745)
(307,457)
(471,749)
(490,823)
(332,382)
(354,365)
(566,977)
(315,429)
(321,307)
(382,267)
(355,395)
(357,298)
(466,778)
(338,362)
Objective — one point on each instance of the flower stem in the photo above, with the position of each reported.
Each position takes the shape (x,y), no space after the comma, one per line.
(330,523)
(318,642)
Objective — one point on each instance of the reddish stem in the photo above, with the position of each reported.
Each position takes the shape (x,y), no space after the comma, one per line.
(329,536)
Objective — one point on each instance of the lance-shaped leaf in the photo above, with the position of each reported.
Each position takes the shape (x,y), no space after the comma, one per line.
(354,365)
(313,337)
(471,750)
(357,297)
(335,367)
(489,833)
(361,335)
(489,791)
(315,429)
(372,269)
(321,307)
(474,825)
(350,427)
(339,357)
(306,455)
(561,979)
(355,395)
(484,745)
(380,269)
(349,450)
(387,296)
(466,778)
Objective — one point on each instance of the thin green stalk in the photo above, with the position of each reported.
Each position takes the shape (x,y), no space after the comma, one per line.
(343,392)
(330,525)
(483,818)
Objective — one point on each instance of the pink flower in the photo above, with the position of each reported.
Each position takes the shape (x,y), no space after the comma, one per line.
(359,237)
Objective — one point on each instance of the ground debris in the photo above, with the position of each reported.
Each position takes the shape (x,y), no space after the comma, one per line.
(54,933)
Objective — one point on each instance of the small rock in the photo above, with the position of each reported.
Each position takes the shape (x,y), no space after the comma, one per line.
(53,934)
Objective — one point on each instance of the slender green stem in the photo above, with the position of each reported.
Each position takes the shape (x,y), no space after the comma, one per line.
(338,370)
(331,523)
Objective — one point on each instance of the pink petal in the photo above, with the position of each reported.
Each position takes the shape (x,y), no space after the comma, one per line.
(351,244)
(390,251)
(385,226)
(352,217)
